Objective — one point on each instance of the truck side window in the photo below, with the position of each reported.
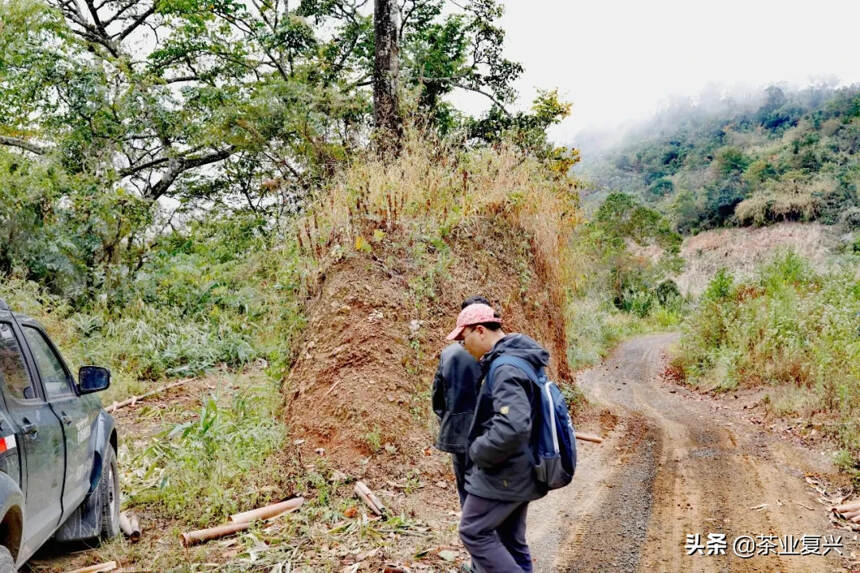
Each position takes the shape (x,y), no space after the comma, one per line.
(55,378)
(13,371)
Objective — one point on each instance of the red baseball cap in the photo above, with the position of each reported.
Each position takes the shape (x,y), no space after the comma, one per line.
(473,314)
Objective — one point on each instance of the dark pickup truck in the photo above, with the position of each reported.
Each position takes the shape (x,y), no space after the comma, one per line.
(58,472)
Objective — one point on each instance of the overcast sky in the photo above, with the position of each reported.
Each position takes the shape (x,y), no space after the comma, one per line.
(618,60)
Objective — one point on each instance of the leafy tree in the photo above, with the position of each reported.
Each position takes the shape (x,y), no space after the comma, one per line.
(661,187)
(622,216)
(528,130)
(731,162)
(221,104)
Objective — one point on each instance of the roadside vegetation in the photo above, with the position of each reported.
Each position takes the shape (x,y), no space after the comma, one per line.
(791,330)
(624,258)
(215,293)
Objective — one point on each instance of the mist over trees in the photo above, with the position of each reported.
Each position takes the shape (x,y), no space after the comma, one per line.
(783,156)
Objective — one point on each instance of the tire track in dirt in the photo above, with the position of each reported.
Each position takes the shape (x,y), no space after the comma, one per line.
(676,466)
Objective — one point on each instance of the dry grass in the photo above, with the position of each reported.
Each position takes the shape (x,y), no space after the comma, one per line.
(434,188)
(744,249)
(764,208)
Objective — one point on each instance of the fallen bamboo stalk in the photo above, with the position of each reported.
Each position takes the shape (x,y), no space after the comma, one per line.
(130,526)
(853,506)
(268,511)
(204,535)
(850,514)
(135,399)
(100,568)
(367,496)
(589,438)
(240,522)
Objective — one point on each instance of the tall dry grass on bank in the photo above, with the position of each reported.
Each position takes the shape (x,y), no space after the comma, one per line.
(434,188)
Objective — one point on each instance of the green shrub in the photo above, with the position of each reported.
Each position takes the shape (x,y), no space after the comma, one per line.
(619,292)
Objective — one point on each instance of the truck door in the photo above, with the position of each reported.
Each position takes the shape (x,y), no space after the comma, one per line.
(76,414)
(39,437)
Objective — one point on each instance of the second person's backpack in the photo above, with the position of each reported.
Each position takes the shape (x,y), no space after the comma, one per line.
(553,436)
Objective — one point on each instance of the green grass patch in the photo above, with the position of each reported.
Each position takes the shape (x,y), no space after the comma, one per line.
(213,464)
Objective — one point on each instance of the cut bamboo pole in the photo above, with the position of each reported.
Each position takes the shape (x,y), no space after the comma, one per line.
(130,526)
(240,522)
(268,511)
(367,496)
(204,535)
(135,399)
(589,438)
(101,568)
(853,506)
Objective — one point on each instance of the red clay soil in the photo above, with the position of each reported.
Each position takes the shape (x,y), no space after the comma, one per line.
(360,386)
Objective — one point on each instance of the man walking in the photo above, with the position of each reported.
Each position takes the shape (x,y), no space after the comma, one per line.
(455,392)
(500,480)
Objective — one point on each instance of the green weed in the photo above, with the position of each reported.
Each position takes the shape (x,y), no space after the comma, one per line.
(373,439)
(201,470)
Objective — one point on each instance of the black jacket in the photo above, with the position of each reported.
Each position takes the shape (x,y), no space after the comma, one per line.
(501,459)
(455,390)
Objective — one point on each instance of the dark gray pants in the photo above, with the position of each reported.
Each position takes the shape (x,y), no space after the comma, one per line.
(494,533)
(459,463)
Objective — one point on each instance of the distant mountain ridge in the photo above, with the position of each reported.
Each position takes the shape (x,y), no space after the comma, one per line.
(790,156)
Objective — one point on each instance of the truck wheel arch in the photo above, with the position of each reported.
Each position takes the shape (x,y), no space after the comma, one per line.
(10,530)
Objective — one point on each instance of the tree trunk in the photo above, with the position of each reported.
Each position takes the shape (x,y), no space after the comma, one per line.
(386,105)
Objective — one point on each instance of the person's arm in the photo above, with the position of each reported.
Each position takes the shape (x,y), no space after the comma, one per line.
(511,425)
(439,405)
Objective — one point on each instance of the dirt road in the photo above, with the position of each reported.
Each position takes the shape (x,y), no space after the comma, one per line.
(674,466)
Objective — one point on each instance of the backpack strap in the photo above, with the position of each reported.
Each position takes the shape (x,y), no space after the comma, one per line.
(520,363)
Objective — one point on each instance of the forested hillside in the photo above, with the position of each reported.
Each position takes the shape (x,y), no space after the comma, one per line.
(786,156)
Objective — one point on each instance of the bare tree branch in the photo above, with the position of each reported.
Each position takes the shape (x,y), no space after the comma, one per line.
(72,11)
(136,23)
(119,12)
(132,169)
(96,20)
(178,165)
(486,94)
(23,144)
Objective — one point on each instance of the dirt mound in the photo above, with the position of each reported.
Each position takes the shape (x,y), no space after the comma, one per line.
(741,250)
(360,387)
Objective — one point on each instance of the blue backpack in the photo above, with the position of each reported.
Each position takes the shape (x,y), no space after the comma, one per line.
(553,437)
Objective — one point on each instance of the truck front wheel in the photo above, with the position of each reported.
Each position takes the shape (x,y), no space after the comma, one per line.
(108,495)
